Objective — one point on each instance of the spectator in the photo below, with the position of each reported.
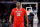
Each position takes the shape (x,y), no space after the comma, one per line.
(0,23)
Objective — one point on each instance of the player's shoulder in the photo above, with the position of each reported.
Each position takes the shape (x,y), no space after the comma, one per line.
(13,8)
(23,8)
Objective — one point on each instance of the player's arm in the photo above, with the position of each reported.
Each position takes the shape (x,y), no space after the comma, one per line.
(26,17)
(10,18)
(12,13)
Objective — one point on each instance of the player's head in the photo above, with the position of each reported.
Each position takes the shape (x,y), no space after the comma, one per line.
(18,4)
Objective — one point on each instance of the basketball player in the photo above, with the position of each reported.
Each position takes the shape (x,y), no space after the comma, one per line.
(18,14)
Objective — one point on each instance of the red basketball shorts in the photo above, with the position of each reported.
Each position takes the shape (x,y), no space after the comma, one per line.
(18,25)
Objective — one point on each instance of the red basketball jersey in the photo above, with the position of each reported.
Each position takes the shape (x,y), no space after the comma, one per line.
(18,14)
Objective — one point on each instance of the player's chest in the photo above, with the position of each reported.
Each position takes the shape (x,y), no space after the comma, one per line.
(18,12)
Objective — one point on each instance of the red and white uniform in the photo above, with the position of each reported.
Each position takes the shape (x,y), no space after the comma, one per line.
(18,17)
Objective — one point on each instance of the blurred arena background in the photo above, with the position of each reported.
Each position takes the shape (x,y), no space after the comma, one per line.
(7,5)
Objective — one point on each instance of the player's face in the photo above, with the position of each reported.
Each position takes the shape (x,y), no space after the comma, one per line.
(18,4)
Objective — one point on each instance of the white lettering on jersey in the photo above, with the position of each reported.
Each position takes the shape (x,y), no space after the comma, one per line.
(18,11)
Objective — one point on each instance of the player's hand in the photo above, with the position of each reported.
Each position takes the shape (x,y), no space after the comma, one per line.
(10,23)
(27,25)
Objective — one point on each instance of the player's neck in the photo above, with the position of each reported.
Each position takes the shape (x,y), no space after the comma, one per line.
(18,7)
